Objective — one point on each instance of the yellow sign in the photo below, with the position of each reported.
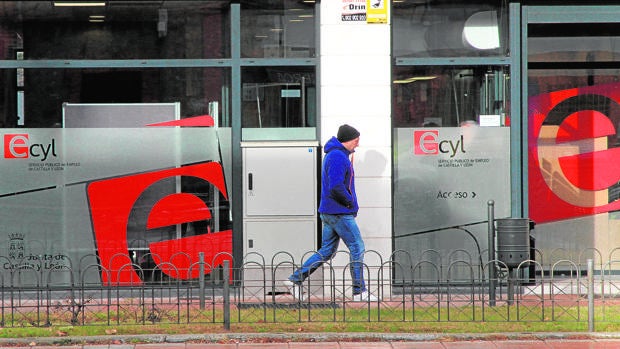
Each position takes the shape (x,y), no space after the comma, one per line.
(377,11)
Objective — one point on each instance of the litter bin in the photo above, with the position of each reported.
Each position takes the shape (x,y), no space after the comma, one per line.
(513,241)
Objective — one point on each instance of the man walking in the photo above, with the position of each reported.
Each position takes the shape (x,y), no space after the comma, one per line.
(338,209)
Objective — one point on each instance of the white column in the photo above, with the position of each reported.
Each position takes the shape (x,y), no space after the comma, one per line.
(355,89)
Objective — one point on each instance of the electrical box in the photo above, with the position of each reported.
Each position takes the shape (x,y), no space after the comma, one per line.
(280,198)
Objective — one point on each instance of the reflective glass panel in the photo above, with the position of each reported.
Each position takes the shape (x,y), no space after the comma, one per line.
(573,138)
(37,99)
(598,42)
(278,28)
(450,96)
(435,28)
(118,30)
(278,97)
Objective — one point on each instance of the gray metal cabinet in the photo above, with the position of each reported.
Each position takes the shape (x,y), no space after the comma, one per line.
(280,198)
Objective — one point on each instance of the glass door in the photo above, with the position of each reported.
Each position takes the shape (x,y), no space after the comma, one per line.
(573,103)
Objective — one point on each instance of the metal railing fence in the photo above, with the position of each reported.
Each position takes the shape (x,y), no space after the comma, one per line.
(452,289)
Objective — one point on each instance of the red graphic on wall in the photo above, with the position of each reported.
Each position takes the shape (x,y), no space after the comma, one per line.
(111,202)
(573,159)
(194,121)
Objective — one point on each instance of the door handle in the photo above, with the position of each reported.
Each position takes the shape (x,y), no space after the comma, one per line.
(250,182)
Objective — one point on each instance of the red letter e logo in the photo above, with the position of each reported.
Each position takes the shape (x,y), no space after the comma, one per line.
(425,142)
(16,146)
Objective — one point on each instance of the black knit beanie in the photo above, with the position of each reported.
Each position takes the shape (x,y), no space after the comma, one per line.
(347,133)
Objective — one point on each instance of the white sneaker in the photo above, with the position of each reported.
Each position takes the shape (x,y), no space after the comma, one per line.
(365,296)
(295,289)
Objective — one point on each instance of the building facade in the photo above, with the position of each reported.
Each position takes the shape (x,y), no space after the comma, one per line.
(138,132)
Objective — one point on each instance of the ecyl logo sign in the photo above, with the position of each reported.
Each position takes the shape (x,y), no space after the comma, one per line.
(19,146)
(428,142)
(573,163)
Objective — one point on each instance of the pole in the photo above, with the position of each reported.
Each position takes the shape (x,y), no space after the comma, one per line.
(226,295)
(201,279)
(590,295)
(491,250)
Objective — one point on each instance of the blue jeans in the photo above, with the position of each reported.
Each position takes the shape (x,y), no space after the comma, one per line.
(336,227)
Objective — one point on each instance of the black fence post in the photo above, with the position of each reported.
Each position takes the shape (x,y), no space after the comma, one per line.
(491,250)
(201,279)
(226,290)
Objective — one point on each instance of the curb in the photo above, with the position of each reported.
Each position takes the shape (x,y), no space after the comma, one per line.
(306,337)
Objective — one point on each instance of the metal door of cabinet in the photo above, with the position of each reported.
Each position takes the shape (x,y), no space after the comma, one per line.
(270,238)
(280,181)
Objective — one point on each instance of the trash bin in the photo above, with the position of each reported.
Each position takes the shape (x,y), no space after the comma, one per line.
(513,241)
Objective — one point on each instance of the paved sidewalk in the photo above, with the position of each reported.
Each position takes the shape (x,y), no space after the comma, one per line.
(509,344)
(329,341)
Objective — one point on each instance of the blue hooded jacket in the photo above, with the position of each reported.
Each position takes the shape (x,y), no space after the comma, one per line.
(337,180)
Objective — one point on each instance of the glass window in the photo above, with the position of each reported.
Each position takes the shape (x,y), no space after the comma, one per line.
(158,163)
(450,96)
(574,113)
(278,97)
(434,28)
(36,99)
(277,28)
(598,42)
(118,30)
